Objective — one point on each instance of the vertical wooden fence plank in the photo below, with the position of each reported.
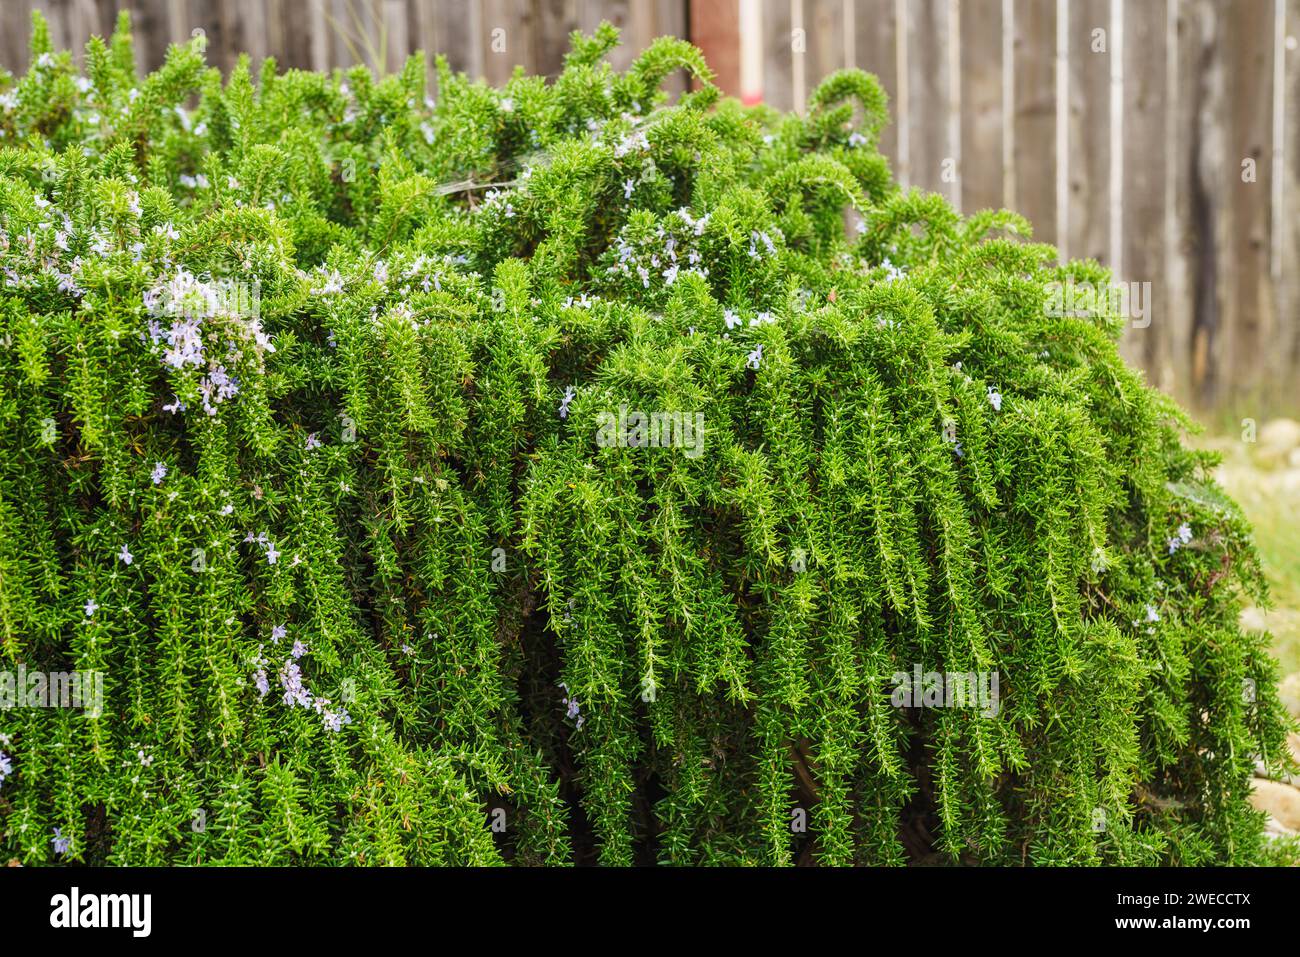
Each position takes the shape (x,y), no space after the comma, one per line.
(396,43)
(618,12)
(1289,282)
(151,24)
(459,28)
(1176,303)
(653,20)
(798,58)
(981,115)
(14,39)
(303,27)
(551,23)
(278,44)
(1206,233)
(778,66)
(341,30)
(107,15)
(715,29)
(251,16)
(1246,34)
(823,21)
(1144,172)
(84,25)
(56,15)
(875,50)
(1035,115)
(1089,125)
(503,39)
(933,160)
(426,32)
(320,37)
(180,24)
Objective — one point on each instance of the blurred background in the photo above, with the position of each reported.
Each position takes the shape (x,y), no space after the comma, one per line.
(1160,137)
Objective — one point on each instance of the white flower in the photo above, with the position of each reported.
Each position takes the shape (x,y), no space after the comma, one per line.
(633,141)
(333,284)
(159,473)
(92,606)
(756,237)
(892,272)
(995,399)
(755,357)
(126,556)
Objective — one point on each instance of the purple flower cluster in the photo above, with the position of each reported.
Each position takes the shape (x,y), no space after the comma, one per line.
(295,693)
(761,236)
(333,719)
(569,393)
(1183,537)
(264,542)
(216,387)
(666,254)
(189,302)
(572,712)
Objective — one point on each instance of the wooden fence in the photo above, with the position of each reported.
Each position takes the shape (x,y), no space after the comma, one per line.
(1161,137)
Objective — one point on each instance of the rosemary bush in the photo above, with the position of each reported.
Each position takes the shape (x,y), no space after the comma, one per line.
(330,439)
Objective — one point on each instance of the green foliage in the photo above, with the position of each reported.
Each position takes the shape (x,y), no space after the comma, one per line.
(317,360)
